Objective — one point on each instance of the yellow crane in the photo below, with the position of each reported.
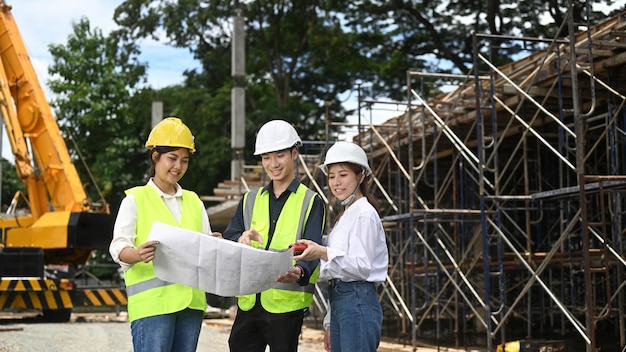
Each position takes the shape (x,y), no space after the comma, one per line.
(61,227)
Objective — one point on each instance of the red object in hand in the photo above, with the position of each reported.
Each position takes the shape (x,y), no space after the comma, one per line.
(298,248)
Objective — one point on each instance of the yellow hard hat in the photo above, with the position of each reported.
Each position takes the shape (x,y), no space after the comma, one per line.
(171,132)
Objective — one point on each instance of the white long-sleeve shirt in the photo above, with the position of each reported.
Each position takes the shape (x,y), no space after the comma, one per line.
(125,228)
(356,247)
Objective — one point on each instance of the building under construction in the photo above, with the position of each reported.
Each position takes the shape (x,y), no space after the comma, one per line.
(504,199)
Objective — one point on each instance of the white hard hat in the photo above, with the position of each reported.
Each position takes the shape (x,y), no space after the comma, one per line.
(276,135)
(346,152)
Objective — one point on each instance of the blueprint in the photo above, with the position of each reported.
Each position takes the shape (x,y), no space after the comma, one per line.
(215,265)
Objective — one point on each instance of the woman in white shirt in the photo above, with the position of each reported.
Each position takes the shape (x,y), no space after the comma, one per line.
(355,257)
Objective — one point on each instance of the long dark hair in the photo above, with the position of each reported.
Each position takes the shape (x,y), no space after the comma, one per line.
(155,155)
(364,187)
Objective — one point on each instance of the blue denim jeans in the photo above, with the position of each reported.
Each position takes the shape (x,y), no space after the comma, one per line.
(355,317)
(168,332)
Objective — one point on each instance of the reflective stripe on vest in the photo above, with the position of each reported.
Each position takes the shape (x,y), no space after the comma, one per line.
(283,297)
(145,285)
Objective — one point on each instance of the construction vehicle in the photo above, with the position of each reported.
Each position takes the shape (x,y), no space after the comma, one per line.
(44,243)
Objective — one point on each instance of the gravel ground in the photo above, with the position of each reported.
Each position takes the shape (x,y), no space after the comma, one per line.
(103,333)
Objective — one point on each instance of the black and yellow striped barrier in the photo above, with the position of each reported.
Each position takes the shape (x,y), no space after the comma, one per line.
(45,294)
(100,297)
(49,294)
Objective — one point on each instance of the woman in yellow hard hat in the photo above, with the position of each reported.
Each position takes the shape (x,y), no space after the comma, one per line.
(164,316)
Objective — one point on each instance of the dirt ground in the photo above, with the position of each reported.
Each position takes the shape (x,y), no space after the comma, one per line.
(111,331)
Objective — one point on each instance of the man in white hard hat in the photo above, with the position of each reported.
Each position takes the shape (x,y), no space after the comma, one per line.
(272,218)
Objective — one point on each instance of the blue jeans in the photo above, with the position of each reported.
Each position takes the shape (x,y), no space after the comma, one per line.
(168,332)
(355,317)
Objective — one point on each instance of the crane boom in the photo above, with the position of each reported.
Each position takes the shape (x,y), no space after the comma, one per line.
(29,116)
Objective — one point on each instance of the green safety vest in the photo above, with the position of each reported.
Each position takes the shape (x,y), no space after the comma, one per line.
(147,294)
(282,298)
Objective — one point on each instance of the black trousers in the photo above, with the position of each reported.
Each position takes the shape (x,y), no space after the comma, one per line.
(255,329)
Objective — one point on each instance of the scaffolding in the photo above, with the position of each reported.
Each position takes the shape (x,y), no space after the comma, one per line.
(505,198)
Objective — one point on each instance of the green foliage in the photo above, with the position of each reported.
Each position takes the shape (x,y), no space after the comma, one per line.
(10,182)
(437,36)
(93,79)
(292,53)
(108,119)
(303,57)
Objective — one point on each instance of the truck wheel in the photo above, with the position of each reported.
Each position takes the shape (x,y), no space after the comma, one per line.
(57,315)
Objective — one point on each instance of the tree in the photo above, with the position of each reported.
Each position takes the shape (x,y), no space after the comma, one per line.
(437,36)
(298,56)
(106,119)
(93,79)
